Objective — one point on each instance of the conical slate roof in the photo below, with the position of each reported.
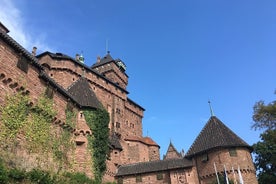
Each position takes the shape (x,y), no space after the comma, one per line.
(83,94)
(215,134)
(172,152)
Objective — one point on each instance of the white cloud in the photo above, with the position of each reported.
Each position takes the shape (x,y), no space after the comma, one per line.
(11,17)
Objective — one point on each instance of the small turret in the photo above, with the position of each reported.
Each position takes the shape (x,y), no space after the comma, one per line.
(81,59)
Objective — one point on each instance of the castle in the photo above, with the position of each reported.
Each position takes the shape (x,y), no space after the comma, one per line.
(133,158)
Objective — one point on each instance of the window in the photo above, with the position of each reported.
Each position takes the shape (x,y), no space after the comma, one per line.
(204,157)
(22,64)
(232,152)
(49,92)
(159,176)
(138,178)
(117,125)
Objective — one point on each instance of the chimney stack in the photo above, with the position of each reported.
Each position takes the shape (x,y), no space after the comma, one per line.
(34,51)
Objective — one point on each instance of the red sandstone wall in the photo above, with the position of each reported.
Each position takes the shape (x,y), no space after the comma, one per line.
(184,176)
(112,72)
(31,82)
(181,176)
(126,118)
(222,157)
(154,153)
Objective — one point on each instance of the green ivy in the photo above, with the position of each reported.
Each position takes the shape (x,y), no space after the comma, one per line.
(14,115)
(63,144)
(38,130)
(98,121)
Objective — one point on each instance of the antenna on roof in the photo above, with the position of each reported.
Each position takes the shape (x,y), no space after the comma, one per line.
(211,110)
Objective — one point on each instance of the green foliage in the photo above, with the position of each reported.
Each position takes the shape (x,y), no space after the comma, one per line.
(75,178)
(62,145)
(14,115)
(40,177)
(265,159)
(16,175)
(3,173)
(264,116)
(33,124)
(37,176)
(70,117)
(265,150)
(38,131)
(98,121)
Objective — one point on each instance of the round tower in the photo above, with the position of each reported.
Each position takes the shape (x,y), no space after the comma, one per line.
(218,152)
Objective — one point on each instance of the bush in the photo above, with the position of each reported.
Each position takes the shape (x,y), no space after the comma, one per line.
(75,178)
(3,173)
(40,177)
(16,175)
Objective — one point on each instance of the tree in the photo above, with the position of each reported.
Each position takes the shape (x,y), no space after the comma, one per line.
(265,150)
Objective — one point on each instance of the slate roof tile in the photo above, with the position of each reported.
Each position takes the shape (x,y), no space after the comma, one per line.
(106,59)
(83,93)
(215,134)
(114,142)
(153,166)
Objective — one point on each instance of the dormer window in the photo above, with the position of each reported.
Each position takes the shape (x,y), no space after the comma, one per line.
(233,152)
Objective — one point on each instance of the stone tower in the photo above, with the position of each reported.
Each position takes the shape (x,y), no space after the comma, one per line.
(218,146)
(113,69)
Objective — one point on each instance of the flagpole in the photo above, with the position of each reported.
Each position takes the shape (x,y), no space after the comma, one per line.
(226,177)
(240,175)
(235,179)
(216,172)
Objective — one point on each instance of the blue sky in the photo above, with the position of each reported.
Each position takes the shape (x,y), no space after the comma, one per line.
(179,54)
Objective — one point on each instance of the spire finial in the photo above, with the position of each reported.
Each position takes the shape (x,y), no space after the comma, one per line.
(211,110)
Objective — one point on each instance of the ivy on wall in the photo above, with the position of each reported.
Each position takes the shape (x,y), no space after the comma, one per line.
(98,121)
(31,123)
(38,131)
(13,115)
(64,144)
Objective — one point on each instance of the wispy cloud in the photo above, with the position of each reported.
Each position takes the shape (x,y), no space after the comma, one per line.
(12,18)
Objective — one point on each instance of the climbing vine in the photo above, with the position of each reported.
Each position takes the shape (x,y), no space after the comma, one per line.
(14,115)
(63,144)
(98,121)
(38,130)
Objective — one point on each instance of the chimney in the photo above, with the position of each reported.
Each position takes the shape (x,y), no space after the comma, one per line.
(98,59)
(77,57)
(34,51)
